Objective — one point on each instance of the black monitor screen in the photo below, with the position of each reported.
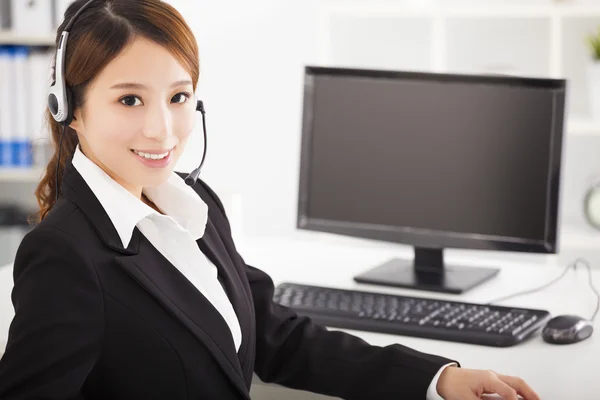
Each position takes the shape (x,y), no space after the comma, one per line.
(461,156)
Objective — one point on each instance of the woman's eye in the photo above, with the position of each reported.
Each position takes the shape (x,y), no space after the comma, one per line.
(181,97)
(131,101)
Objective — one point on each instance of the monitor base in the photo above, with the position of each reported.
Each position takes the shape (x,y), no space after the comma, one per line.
(450,279)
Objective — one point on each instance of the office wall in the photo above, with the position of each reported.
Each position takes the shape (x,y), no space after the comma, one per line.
(252,59)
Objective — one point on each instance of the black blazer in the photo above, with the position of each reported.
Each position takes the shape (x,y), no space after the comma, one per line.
(94,320)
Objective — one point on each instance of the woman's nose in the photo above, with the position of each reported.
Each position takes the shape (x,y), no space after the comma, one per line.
(158,123)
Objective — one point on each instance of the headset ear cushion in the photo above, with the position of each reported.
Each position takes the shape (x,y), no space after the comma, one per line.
(69,107)
(52,103)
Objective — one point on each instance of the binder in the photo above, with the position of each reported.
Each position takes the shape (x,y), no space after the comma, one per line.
(5,106)
(32,17)
(60,7)
(21,145)
(5,15)
(40,63)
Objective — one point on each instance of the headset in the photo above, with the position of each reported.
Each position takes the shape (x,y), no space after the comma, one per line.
(60,99)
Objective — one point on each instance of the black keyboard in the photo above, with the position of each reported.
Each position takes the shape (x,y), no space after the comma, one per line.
(454,321)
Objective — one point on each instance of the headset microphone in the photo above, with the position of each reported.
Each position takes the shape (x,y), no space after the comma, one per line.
(193,176)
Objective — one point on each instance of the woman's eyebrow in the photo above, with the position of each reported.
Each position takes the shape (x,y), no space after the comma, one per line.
(132,85)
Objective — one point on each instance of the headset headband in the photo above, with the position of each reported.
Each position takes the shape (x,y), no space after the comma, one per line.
(59,96)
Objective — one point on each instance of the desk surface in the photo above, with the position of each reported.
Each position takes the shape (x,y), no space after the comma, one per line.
(555,372)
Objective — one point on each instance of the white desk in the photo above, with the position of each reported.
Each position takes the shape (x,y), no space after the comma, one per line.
(555,372)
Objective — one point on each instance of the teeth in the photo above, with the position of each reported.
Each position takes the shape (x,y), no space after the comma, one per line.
(151,156)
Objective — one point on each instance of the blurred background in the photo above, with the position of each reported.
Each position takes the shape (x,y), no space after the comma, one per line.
(252,57)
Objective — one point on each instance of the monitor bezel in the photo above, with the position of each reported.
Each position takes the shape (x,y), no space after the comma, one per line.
(435,238)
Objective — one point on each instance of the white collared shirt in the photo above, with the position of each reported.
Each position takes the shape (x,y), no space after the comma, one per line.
(174,234)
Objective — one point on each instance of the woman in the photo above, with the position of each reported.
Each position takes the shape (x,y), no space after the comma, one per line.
(130,286)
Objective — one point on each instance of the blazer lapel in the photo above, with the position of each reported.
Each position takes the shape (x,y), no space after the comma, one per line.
(212,246)
(151,270)
(154,273)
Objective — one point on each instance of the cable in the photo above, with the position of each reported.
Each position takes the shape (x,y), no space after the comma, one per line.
(593,289)
(58,160)
(529,291)
(569,266)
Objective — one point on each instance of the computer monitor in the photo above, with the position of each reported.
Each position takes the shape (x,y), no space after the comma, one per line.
(434,161)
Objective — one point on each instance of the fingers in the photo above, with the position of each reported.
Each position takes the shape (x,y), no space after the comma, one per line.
(493,384)
(520,386)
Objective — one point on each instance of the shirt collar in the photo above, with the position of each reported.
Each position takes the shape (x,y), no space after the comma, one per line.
(174,197)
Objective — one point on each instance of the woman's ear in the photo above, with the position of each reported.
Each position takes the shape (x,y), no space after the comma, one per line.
(77,122)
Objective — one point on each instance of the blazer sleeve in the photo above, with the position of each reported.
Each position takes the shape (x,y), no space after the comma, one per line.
(293,351)
(56,335)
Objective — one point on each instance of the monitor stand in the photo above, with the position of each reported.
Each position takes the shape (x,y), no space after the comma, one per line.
(427,272)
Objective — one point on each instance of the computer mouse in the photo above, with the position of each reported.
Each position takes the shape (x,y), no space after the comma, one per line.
(567,329)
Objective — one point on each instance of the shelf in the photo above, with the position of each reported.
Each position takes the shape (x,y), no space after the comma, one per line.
(351,42)
(20,174)
(26,40)
(523,46)
(577,240)
(468,9)
(523,11)
(583,127)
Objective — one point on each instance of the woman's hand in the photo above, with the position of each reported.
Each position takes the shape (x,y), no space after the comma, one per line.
(469,384)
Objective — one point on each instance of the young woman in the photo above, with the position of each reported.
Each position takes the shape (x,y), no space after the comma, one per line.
(130,285)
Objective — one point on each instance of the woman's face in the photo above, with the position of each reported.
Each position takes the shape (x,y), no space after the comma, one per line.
(142,101)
